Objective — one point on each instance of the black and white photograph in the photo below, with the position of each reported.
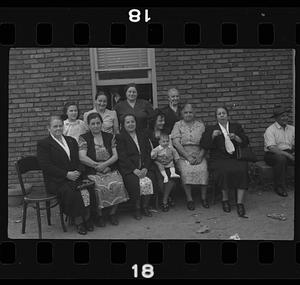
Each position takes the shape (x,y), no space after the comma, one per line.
(151,143)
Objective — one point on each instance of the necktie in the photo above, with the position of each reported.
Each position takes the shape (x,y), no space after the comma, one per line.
(228,143)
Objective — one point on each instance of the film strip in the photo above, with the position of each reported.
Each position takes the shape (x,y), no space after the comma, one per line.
(194,28)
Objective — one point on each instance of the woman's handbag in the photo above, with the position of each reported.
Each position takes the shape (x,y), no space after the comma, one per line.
(146,186)
(245,154)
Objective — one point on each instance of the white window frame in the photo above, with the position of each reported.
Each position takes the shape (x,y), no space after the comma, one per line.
(151,79)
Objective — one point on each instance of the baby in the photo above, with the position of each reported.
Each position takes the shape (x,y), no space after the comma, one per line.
(164,154)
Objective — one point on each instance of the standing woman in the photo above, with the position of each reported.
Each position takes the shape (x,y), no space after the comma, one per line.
(58,158)
(186,136)
(97,151)
(222,140)
(109,117)
(140,108)
(135,164)
(73,127)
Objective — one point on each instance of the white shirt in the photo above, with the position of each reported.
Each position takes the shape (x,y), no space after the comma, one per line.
(64,145)
(276,135)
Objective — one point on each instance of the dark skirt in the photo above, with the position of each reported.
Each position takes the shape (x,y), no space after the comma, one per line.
(160,178)
(230,173)
(72,202)
(132,184)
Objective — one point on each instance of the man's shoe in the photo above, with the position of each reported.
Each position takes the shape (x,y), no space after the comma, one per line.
(281,192)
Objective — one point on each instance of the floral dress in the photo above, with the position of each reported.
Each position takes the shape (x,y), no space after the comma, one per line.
(109,187)
(189,138)
(74,129)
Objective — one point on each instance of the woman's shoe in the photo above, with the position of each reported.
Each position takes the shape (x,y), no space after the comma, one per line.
(171,202)
(165,207)
(240,210)
(137,214)
(81,229)
(113,220)
(89,225)
(190,205)
(100,222)
(226,206)
(204,203)
(146,212)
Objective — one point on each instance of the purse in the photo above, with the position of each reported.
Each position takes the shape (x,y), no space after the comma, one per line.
(245,154)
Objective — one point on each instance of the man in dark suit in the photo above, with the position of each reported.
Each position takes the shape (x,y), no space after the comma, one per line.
(172,112)
(59,160)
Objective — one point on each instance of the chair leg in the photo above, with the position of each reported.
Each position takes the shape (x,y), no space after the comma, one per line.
(38,212)
(62,218)
(48,212)
(24,217)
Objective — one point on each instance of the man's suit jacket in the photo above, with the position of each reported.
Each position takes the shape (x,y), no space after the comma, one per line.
(55,163)
(129,156)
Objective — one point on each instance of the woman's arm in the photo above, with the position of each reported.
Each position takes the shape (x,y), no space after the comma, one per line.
(116,123)
(86,160)
(180,148)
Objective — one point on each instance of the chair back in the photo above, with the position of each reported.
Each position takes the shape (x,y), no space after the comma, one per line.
(26,164)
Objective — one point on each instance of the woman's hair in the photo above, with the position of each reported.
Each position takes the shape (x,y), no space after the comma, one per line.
(222,107)
(54,117)
(128,86)
(185,105)
(66,107)
(92,116)
(124,117)
(152,121)
(100,92)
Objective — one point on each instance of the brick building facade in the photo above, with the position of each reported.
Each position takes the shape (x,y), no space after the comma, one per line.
(249,82)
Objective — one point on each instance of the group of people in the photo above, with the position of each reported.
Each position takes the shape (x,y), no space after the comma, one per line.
(133,152)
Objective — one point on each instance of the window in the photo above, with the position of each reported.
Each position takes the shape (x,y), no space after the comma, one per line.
(113,68)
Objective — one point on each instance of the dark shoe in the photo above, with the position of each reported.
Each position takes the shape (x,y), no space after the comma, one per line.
(81,229)
(89,225)
(226,206)
(240,210)
(190,205)
(146,212)
(165,207)
(113,220)
(281,192)
(171,202)
(137,214)
(100,222)
(205,203)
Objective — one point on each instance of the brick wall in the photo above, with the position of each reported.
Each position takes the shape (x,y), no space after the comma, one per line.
(40,82)
(248,82)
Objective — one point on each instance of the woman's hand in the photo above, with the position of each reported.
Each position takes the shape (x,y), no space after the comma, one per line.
(73,175)
(191,159)
(144,172)
(100,167)
(199,158)
(137,172)
(106,170)
(233,136)
(216,133)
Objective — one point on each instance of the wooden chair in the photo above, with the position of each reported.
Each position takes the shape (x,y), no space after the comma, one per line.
(27,164)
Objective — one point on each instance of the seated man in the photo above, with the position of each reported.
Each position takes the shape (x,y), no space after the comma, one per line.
(279,148)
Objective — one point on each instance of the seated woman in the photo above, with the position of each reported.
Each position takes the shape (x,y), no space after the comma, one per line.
(97,151)
(73,127)
(135,165)
(156,128)
(58,158)
(186,136)
(222,140)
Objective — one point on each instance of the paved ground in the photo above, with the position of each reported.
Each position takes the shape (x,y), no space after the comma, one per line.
(178,223)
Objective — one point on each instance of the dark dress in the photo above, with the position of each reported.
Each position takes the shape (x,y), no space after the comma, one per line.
(229,173)
(130,159)
(171,117)
(142,110)
(55,164)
